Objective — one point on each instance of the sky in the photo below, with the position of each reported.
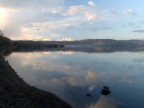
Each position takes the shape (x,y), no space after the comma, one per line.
(72,19)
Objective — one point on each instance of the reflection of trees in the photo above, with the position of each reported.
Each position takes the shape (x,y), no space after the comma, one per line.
(7,52)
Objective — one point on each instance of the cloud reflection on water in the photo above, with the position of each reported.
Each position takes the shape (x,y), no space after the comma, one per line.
(104,102)
(47,64)
(72,77)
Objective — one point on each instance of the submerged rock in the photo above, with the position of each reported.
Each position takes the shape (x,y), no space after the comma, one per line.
(88,94)
(105,90)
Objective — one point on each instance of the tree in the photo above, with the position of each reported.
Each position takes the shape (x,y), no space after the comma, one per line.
(1,33)
(4,41)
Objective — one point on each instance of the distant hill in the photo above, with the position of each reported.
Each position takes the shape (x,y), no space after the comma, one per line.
(87,45)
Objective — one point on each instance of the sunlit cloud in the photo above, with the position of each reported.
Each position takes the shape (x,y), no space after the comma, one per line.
(4,16)
(84,11)
(47,17)
(76,10)
(67,39)
(90,16)
(91,3)
(2,12)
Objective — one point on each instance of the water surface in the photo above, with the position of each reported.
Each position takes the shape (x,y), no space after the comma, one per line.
(73,75)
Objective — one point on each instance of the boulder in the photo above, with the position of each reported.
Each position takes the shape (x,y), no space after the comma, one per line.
(105,90)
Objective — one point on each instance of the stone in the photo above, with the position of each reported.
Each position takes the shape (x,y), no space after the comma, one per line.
(105,90)
(88,94)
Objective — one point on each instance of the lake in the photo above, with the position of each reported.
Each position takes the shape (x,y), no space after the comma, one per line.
(72,75)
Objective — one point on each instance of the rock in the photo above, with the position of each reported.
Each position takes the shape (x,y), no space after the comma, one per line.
(105,90)
(15,93)
(2,64)
(105,87)
(88,94)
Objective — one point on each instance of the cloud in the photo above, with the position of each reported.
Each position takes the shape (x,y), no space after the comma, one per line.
(38,19)
(5,16)
(130,12)
(135,25)
(91,3)
(131,24)
(82,11)
(51,25)
(117,14)
(31,3)
(75,10)
(51,21)
(94,29)
(91,16)
(43,18)
(139,31)
(100,28)
(67,39)
(21,13)
(106,28)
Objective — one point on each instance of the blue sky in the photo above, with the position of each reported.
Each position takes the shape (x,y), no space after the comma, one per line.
(72,19)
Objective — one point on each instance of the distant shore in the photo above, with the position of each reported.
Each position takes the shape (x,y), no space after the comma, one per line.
(15,93)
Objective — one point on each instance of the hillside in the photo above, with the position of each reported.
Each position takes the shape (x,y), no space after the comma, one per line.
(4,41)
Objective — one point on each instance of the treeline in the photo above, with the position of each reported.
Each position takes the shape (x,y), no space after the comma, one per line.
(4,41)
(19,45)
(7,45)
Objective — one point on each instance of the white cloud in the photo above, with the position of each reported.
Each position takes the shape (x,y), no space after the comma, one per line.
(83,11)
(5,16)
(91,3)
(67,39)
(46,19)
(49,16)
(51,25)
(75,10)
(90,16)
(37,4)
(129,12)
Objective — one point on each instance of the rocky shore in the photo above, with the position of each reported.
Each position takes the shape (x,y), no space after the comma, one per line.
(15,93)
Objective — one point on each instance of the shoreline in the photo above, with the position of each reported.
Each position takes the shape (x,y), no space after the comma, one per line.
(15,93)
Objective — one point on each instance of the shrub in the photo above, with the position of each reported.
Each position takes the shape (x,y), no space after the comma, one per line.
(4,41)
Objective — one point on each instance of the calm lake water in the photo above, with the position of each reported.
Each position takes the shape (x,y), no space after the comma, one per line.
(72,75)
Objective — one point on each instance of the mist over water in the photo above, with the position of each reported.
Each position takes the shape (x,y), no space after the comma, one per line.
(72,75)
